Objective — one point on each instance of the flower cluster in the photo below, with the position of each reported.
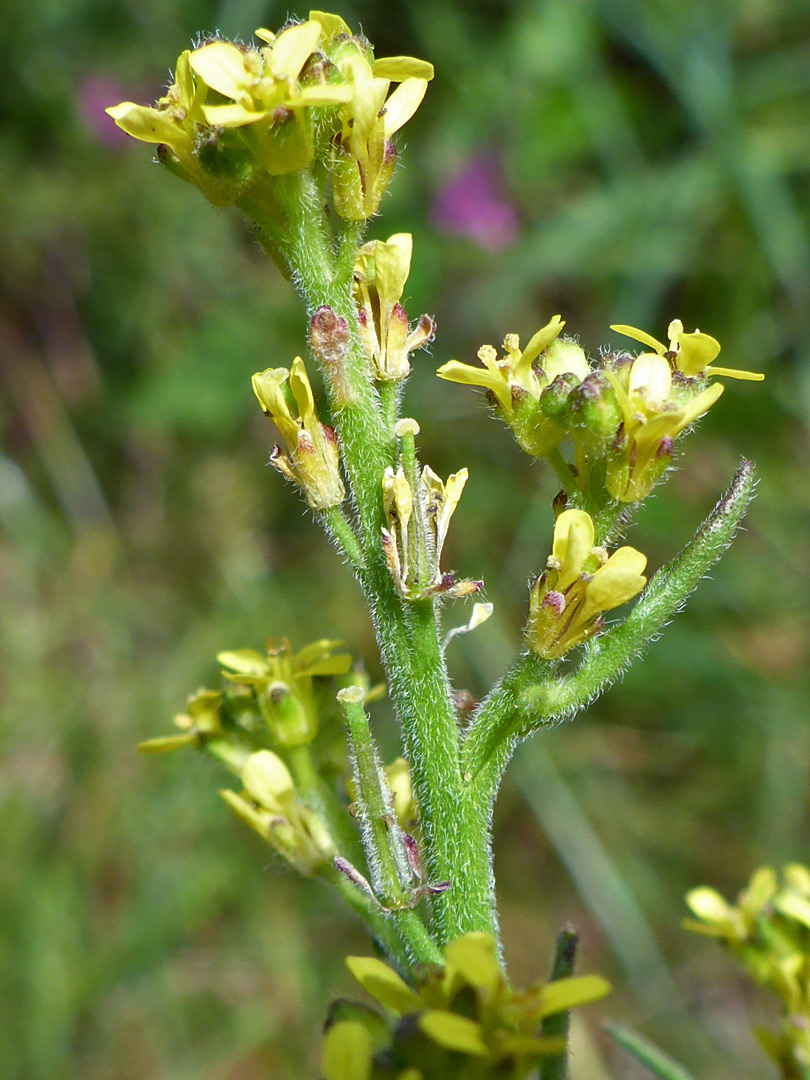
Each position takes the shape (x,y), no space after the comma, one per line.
(238,115)
(462,1019)
(580,583)
(313,459)
(768,931)
(418,507)
(621,413)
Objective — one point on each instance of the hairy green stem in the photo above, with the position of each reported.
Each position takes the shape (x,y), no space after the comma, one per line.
(556,1026)
(407,633)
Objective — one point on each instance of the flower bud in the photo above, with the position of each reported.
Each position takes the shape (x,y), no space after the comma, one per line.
(595,410)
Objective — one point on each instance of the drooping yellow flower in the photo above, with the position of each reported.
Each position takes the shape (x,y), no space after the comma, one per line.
(655,413)
(692,354)
(526,385)
(268,804)
(313,462)
(380,273)
(580,583)
(417,519)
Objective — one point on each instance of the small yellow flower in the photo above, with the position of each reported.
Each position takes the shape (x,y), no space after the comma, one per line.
(380,274)
(655,413)
(692,354)
(417,519)
(268,804)
(283,684)
(314,461)
(524,384)
(579,584)
(363,156)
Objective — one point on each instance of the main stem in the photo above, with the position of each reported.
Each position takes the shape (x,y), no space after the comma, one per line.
(455,831)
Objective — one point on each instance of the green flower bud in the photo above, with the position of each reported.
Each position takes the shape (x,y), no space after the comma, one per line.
(595,410)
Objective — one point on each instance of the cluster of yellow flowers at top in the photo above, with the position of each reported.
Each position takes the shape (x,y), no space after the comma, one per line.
(621,410)
(580,583)
(238,114)
(768,932)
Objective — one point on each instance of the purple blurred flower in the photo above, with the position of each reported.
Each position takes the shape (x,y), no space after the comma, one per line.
(94,95)
(473,203)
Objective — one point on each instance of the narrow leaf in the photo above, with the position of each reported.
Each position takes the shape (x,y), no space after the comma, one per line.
(659,1063)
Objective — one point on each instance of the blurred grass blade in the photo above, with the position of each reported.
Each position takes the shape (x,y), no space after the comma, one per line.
(659,1063)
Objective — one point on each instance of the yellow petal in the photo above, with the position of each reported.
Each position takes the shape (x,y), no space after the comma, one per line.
(709,905)
(293,47)
(184,80)
(383,984)
(222,67)
(619,580)
(695,352)
(735,373)
(232,116)
(573,541)
(267,780)
(402,104)
(542,339)
(453,1032)
(639,335)
(400,68)
(323,95)
(650,379)
(392,264)
(455,371)
(150,125)
(333,25)
(697,407)
(302,392)
(265,35)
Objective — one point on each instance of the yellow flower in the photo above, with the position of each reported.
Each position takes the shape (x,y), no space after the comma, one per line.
(417,519)
(655,413)
(268,804)
(174,124)
(283,684)
(380,273)
(363,156)
(579,584)
(692,354)
(313,462)
(236,114)
(526,385)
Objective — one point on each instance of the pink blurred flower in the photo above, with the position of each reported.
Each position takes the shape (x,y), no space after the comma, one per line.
(94,95)
(473,203)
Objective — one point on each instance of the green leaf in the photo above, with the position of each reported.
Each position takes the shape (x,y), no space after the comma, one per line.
(659,1063)
(383,984)
(453,1032)
(347,1052)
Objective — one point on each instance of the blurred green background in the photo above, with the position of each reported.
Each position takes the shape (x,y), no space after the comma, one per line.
(623,160)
